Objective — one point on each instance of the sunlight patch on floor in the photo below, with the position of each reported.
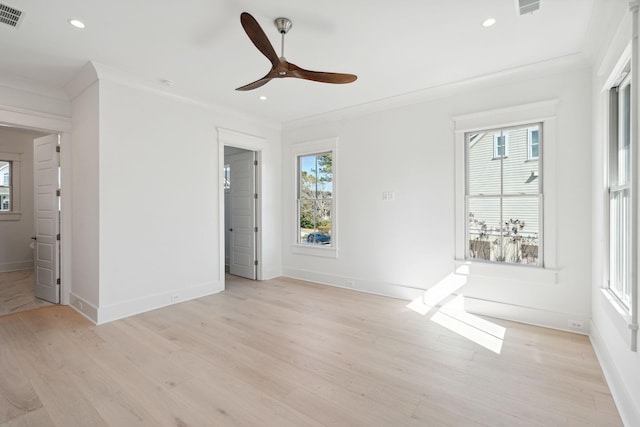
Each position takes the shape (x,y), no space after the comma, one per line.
(451,314)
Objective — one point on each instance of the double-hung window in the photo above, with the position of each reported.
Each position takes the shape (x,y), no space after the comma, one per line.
(5,186)
(503,199)
(620,188)
(315,198)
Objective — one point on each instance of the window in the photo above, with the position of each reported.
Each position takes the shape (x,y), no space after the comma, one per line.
(315,198)
(620,188)
(227,177)
(5,186)
(533,143)
(503,197)
(500,146)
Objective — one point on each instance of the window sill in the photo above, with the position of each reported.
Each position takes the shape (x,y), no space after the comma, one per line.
(522,273)
(10,216)
(620,309)
(319,251)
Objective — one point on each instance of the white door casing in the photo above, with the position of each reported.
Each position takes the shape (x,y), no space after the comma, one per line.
(46,218)
(243,212)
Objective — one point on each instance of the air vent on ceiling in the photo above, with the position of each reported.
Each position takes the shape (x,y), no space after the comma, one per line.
(527,6)
(9,15)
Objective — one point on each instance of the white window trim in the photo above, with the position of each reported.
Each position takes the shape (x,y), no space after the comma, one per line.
(15,213)
(308,148)
(496,154)
(530,143)
(540,112)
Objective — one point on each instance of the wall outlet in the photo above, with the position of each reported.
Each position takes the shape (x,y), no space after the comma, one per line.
(175,297)
(81,305)
(350,283)
(576,324)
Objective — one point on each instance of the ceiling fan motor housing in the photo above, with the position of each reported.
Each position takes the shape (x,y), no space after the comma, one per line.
(283,25)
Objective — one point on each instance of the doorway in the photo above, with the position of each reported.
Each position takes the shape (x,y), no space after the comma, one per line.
(29,219)
(240,212)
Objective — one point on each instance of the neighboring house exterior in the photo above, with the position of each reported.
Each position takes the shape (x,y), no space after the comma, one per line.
(5,186)
(503,188)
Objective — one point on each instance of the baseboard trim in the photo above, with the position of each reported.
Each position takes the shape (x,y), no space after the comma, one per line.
(625,402)
(136,306)
(363,285)
(84,307)
(529,315)
(6,267)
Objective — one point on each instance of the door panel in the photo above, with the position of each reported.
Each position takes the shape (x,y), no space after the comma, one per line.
(47,225)
(243,238)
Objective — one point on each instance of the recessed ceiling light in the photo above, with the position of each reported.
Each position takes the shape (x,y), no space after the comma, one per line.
(76,23)
(488,22)
(263,98)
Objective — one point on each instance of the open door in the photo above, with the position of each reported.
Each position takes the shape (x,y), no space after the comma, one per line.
(243,258)
(46,218)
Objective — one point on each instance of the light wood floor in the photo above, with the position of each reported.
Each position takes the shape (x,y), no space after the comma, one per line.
(16,292)
(289,353)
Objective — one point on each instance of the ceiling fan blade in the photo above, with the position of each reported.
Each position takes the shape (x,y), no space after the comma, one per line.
(255,85)
(258,37)
(320,76)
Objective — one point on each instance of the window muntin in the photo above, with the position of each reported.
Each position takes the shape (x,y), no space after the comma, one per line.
(315,198)
(620,189)
(503,196)
(5,186)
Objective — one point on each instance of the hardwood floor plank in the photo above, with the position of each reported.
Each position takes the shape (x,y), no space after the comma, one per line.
(290,353)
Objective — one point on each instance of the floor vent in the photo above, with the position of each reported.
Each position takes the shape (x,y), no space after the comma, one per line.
(9,15)
(527,6)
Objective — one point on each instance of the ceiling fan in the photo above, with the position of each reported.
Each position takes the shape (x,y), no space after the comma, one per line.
(280,67)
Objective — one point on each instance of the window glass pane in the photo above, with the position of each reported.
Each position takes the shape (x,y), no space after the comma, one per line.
(483,169)
(227,177)
(504,195)
(519,176)
(315,192)
(308,221)
(624,135)
(5,186)
(484,228)
(620,253)
(520,229)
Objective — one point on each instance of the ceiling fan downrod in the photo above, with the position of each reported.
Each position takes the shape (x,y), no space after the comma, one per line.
(283,25)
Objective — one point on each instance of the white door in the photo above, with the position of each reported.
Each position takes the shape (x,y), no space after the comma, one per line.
(46,218)
(242,261)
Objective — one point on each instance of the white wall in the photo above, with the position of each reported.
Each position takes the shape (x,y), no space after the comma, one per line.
(15,236)
(386,246)
(610,332)
(85,201)
(150,233)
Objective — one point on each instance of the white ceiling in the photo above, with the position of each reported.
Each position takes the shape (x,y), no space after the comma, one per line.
(394,47)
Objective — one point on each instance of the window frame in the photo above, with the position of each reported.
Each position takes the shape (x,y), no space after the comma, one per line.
(544,112)
(620,292)
(313,148)
(14,213)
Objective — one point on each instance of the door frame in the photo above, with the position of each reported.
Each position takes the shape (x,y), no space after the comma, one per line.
(52,124)
(232,138)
